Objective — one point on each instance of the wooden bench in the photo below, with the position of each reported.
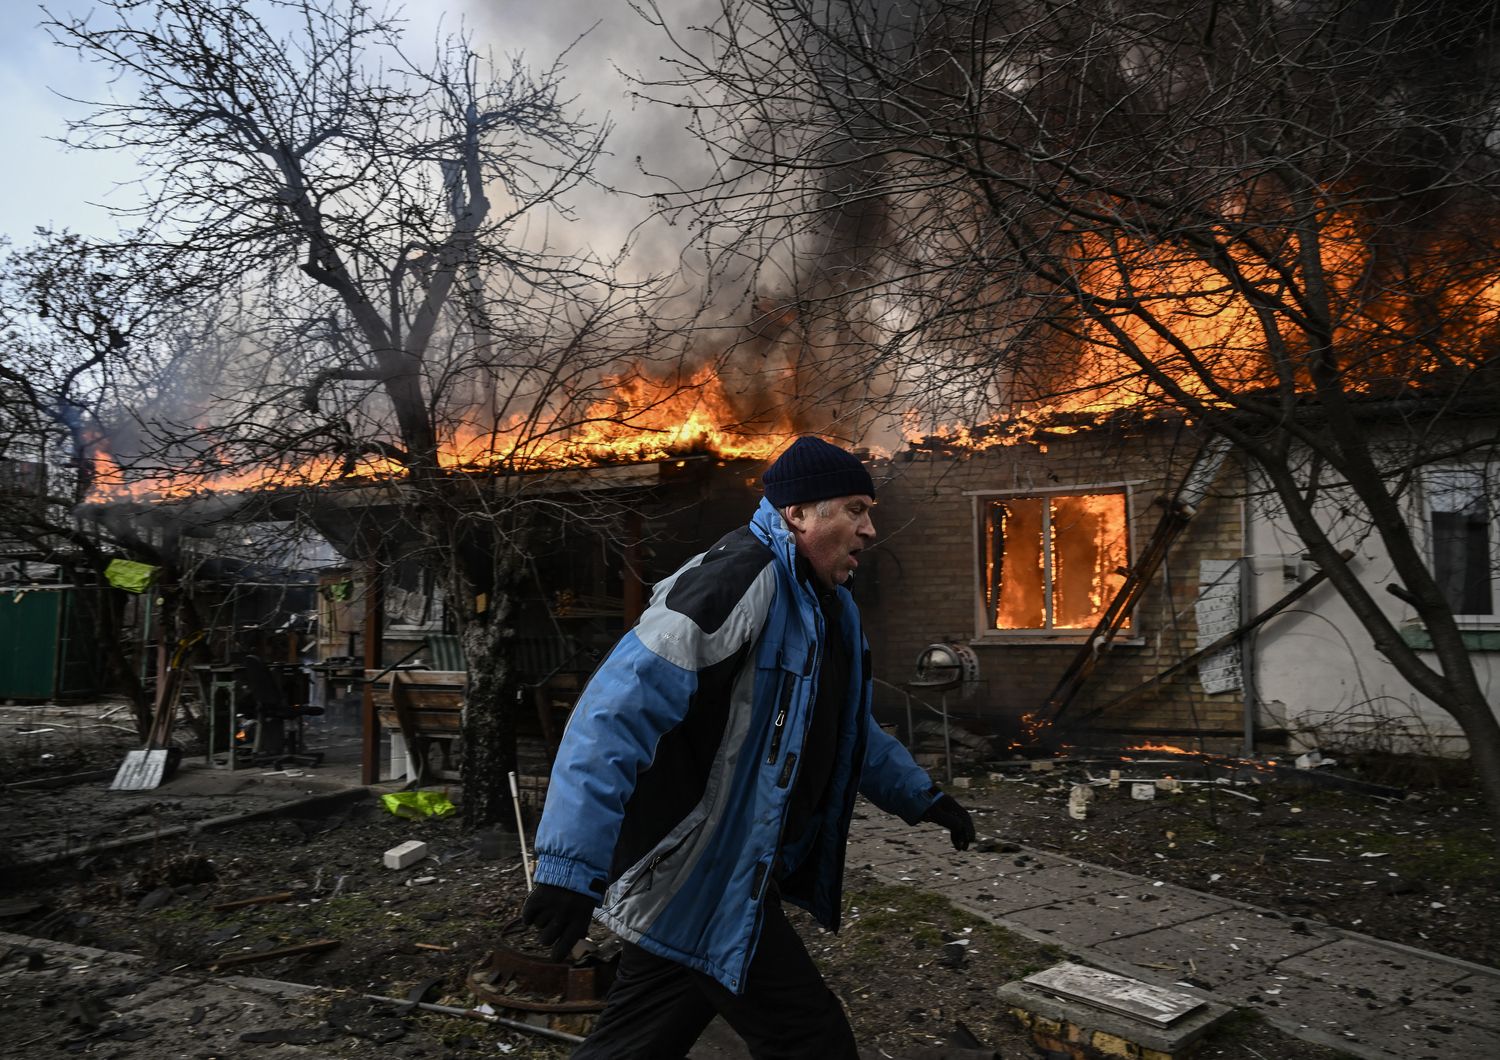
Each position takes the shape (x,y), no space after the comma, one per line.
(427,708)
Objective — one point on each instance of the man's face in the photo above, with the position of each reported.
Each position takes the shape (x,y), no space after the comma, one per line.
(832,539)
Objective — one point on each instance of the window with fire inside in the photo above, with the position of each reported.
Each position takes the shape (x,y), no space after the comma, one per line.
(1461,536)
(1050,563)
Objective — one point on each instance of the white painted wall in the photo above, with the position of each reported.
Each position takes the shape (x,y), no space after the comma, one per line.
(1317,672)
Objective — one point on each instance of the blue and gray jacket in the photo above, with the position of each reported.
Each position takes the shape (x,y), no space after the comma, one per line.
(670,790)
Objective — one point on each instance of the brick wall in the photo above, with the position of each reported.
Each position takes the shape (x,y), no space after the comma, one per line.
(920,586)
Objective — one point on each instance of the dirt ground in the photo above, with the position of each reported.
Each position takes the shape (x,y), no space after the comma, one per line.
(1418,870)
(1420,866)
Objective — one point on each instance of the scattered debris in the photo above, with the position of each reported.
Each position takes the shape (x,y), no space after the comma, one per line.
(418,804)
(512,979)
(1313,760)
(408,853)
(954,953)
(1078,801)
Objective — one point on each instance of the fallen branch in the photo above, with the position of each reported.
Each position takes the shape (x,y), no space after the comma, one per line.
(317,946)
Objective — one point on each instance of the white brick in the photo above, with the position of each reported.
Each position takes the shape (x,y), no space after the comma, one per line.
(408,853)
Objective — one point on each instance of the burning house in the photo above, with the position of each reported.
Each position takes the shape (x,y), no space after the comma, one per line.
(1070,565)
(1117,582)
(1131,583)
(1110,577)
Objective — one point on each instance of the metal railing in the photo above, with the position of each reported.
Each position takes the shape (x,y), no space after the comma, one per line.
(942,712)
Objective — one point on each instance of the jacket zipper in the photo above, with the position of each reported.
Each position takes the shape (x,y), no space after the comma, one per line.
(647,875)
(780,725)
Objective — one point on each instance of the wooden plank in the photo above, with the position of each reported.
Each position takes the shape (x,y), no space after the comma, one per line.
(448,721)
(262,899)
(316,946)
(434,699)
(454,678)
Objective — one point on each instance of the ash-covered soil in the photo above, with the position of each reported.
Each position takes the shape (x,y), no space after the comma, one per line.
(1418,870)
(1420,866)
(418,932)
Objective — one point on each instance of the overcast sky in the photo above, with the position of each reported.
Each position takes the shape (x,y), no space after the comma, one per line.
(40,182)
(43,183)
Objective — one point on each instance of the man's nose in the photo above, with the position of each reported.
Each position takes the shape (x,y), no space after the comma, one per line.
(866,528)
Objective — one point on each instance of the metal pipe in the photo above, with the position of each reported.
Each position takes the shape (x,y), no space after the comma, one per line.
(515,800)
(475,1014)
(146,634)
(374,633)
(1247,655)
(947,741)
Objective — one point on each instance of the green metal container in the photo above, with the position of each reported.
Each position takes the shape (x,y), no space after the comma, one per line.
(46,645)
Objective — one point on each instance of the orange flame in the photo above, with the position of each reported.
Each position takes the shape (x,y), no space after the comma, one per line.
(1182,324)
(1164,748)
(642,420)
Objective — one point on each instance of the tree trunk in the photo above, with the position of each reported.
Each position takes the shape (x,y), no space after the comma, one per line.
(103,609)
(491,706)
(489,724)
(1482,730)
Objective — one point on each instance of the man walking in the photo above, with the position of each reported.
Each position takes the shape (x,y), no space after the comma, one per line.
(709,771)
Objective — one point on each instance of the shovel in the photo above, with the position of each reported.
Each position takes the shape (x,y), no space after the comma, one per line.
(145,769)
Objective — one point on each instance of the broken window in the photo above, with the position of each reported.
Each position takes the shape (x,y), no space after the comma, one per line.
(1459,527)
(1053,561)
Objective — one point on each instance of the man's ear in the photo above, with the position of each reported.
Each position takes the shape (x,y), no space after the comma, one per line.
(795,516)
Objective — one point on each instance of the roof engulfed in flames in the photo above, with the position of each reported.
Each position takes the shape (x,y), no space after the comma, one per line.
(1190,336)
(641,421)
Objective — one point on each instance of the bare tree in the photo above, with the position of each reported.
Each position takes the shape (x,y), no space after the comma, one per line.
(1279,219)
(78,323)
(402,313)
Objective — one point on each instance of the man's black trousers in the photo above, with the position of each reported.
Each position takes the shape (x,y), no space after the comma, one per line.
(657,1008)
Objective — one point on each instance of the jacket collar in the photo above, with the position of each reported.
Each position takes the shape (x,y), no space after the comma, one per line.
(768,525)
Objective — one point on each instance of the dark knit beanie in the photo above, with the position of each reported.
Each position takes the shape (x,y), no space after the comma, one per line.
(813,470)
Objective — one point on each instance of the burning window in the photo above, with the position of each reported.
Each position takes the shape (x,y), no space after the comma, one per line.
(1459,527)
(1053,561)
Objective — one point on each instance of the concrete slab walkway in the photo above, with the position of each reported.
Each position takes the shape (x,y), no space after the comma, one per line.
(1362,995)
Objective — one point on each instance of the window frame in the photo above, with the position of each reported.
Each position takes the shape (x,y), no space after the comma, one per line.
(1465,620)
(977,499)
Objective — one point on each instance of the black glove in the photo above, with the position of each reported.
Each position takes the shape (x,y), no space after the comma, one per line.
(948,813)
(561,917)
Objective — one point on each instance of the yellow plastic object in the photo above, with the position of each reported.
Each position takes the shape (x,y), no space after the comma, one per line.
(129,575)
(418,804)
